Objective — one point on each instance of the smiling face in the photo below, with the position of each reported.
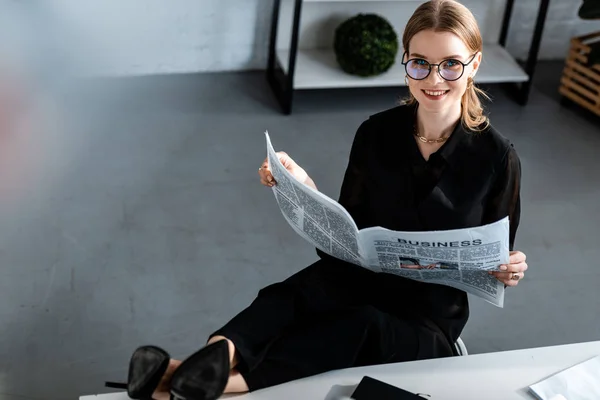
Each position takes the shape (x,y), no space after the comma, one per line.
(435,93)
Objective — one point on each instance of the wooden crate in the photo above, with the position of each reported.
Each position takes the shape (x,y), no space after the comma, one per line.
(580,81)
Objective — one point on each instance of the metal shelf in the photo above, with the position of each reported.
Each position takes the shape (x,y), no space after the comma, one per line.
(318,69)
(294,69)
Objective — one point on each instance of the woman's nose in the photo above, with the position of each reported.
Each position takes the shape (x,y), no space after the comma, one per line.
(434,77)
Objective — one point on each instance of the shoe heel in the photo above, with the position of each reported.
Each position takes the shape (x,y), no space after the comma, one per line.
(203,375)
(147,366)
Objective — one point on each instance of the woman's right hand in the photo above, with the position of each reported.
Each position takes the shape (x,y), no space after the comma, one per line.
(266,177)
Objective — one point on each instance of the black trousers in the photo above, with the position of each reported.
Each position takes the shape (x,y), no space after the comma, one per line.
(328,316)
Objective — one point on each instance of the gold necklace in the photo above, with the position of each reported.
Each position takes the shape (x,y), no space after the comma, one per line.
(428,141)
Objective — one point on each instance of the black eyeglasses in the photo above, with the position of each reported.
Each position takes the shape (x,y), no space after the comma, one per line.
(450,69)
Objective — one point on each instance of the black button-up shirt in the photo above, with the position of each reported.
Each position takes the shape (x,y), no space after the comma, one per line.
(473,179)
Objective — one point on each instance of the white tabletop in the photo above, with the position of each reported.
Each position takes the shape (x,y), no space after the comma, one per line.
(502,376)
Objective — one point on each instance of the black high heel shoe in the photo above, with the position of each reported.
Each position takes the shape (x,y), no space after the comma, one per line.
(203,375)
(147,366)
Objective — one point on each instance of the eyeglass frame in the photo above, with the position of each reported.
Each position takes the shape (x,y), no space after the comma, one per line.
(436,65)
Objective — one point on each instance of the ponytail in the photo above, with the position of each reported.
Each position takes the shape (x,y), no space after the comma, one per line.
(472,111)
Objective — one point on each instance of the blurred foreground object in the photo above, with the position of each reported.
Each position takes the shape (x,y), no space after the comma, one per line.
(39,53)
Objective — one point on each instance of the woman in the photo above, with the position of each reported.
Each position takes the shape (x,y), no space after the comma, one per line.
(430,164)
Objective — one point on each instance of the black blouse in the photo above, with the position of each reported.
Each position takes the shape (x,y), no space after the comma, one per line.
(473,179)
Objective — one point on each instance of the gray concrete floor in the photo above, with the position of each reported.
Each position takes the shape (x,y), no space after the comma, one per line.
(142,221)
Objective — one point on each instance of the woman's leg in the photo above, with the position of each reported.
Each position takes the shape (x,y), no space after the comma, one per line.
(356,336)
(233,354)
(236,383)
(319,288)
(162,391)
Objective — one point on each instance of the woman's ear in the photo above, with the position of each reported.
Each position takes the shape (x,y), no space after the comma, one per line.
(476,63)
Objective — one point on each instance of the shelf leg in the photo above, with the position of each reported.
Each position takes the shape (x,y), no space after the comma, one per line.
(289,83)
(272,63)
(273,38)
(276,86)
(281,84)
(534,50)
(506,22)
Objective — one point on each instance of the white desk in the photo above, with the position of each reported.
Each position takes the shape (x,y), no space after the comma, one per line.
(502,376)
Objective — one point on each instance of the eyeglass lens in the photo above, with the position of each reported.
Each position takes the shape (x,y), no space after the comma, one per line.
(450,70)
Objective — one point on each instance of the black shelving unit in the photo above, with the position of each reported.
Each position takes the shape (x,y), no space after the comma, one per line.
(282,82)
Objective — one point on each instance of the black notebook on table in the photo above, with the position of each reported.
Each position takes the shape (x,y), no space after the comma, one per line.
(371,389)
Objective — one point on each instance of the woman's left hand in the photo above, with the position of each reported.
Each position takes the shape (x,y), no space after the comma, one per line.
(514,272)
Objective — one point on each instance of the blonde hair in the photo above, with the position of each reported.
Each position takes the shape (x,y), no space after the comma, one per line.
(451,16)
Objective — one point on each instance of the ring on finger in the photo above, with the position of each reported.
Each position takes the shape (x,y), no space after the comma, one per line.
(515,276)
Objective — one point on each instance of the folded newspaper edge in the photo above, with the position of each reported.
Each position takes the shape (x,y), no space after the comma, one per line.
(580,381)
(459,258)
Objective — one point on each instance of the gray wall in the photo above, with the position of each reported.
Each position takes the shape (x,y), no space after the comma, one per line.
(133,37)
(561,25)
(130,37)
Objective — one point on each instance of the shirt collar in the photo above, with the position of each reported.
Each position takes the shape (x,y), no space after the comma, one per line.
(450,150)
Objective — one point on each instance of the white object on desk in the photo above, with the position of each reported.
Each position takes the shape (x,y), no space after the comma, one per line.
(579,382)
(503,376)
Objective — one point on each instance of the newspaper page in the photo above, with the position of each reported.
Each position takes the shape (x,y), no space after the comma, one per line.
(314,216)
(460,258)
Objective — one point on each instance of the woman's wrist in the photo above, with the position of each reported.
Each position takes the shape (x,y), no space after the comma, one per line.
(308,181)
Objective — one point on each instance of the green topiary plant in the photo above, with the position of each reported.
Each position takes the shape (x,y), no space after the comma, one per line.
(365,45)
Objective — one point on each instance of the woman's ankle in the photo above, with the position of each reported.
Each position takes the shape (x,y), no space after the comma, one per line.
(162,390)
(236,383)
(233,355)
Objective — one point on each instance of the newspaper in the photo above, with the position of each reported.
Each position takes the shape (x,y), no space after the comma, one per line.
(459,258)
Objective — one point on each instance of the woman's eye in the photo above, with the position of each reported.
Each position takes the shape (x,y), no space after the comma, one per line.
(452,63)
(421,62)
